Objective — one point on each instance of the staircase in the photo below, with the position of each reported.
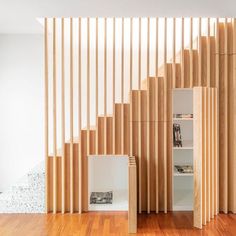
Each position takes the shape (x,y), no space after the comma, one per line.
(141,128)
(27,195)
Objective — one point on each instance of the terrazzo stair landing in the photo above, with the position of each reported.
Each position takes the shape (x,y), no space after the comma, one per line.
(27,195)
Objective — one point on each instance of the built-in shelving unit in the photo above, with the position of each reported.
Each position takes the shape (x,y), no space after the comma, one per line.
(183,155)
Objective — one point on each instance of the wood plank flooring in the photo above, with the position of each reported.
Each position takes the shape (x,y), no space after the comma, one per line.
(112,223)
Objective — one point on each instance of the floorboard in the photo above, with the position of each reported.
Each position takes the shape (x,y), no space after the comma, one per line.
(112,223)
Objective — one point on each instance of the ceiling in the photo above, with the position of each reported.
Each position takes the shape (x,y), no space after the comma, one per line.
(19,16)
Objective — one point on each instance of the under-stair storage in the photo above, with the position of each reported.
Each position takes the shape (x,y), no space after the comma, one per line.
(182,113)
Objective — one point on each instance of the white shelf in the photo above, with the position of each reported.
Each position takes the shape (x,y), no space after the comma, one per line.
(188,144)
(182,119)
(183,200)
(182,174)
(119,203)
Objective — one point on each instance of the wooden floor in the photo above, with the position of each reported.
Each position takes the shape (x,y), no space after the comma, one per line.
(112,223)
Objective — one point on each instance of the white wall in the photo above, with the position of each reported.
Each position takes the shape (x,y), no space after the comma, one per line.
(21,105)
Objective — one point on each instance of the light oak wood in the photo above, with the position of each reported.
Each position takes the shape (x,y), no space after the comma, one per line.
(62,116)
(173,53)
(113,82)
(131,86)
(200,51)
(54,120)
(46,107)
(182,53)
(191,53)
(105,85)
(97,99)
(132,213)
(122,87)
(79,114)
(71,117)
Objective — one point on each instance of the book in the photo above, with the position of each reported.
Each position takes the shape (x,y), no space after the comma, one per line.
(183,116)
(101,197)
(177,139)
(184,169)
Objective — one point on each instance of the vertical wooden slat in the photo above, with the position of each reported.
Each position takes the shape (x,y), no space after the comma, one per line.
(234,117)
(63,116)
(208,53)
(226,114)
(132,213)
(182,53)
(71,117)
(131,85)
(88,85)
(165,116)
(200,52)
(139,116)
(46,114)
(173,54)
(113,84)
(197,101)
(148,119)
(96,56)
(122,87)
(204,155)
(216,172)
(105,85)
(191,53)
(79,115)
(156,121)
(217,58)
(212,153)
(54,120)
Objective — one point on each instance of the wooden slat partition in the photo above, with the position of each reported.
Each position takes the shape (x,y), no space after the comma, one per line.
(147,137)
(205,157)
(132,215)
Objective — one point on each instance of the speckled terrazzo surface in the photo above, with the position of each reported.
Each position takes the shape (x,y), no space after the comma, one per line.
(27,195)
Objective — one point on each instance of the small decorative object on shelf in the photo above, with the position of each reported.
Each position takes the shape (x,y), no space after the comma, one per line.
(183,116)
(101,197)
(177,135)
(184,169)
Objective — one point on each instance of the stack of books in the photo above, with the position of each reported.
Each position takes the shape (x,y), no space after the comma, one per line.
(184,169)
(183,116)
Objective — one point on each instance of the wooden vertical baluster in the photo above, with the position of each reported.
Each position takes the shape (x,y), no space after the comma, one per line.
(165,116)
(213,152)
(79,115)
(105,86)
(191,52)
(182,53)
(199,52)
(173,54)
(46,112)
(139,115)
(156,121)
(113,85)
(122,88)
(54,121)
(131,85)
(63,115)
(96,58)
(225,115)
(234,108)
(208,53)
(217,114)
(71,118)
(88,86)
(148,118)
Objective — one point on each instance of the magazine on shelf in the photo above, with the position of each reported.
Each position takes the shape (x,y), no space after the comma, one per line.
(177,139)
(184,169)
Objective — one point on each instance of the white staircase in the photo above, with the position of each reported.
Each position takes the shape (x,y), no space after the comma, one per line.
(27,195)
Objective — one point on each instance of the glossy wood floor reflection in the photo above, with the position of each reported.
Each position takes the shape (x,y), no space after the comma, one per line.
(112,223)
